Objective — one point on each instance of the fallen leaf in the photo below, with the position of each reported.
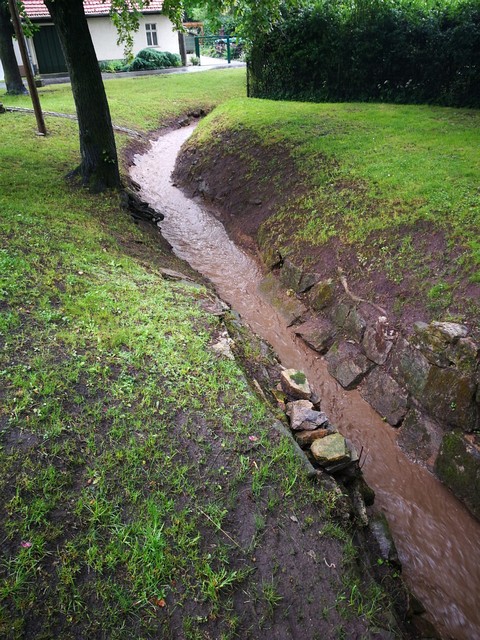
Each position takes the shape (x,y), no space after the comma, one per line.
(25,544)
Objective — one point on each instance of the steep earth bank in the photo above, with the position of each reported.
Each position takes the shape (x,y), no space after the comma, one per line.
(419,370)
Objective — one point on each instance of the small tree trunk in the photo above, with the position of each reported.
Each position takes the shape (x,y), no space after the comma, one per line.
(182,49)
(13,79)
(99,165)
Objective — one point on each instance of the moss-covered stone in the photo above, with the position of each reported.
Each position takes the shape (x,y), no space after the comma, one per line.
(449,395)
(458,466)
(321,295)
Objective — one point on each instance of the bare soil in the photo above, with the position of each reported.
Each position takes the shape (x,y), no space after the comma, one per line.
(246,183)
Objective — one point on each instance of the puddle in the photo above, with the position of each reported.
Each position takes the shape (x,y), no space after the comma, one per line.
(436,537)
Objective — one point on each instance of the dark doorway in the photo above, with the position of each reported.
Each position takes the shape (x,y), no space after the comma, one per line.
(49,52)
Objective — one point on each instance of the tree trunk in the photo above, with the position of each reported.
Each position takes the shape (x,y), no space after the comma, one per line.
(13,79)
(99,165)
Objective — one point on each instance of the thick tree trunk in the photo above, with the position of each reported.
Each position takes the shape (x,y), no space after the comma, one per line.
(99,165)
(13,79)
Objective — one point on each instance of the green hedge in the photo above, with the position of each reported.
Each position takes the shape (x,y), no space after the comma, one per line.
(395,51)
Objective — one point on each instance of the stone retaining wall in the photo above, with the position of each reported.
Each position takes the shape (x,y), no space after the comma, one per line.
(426,384)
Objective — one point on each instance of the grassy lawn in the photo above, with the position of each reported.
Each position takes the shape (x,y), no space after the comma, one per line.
(146,102)
(392,189)
(134,503)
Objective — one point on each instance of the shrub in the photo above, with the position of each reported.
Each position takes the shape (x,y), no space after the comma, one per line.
(149,59)
(403,51)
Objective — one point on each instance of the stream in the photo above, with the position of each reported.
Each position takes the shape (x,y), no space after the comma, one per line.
(436,537)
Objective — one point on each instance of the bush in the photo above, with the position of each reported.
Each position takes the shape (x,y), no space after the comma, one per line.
(403,51)
(112,66)
(149,59)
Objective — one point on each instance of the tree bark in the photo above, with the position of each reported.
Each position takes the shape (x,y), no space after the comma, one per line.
(99,162)
(13,79)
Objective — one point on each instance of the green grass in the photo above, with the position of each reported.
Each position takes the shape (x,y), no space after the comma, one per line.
(127,477)
(368,175)
(148,101)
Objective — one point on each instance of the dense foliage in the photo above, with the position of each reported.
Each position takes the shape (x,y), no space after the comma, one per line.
(145,60)
(397,51)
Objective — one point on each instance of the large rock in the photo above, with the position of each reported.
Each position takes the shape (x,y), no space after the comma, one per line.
(318,333)
(377,341)
(419,437)
(347,365)
(295,384)
(437,339)
(449,395)
(458,466)
(354,325)
(303,417)
(321,294)
(290,275)
(410,367)
(287,306)
(339,313)
(329,450)
(386,396)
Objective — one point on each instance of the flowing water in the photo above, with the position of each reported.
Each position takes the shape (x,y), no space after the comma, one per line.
(436,538)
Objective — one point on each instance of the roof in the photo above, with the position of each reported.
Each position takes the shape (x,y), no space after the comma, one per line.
(36,8)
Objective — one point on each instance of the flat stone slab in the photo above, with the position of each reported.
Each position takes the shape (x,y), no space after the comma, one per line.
(318,333)
(347,364)
(386,396)
(329,450)
(306,438)
(295,384)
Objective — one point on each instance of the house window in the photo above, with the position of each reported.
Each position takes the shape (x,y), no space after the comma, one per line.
(151,30)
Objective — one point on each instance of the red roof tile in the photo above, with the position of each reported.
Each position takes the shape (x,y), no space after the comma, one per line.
(36,8)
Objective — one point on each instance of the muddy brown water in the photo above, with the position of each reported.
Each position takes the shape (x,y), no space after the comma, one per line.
(437,539)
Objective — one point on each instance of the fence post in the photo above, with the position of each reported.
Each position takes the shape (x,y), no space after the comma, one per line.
(197,47)
(228,49)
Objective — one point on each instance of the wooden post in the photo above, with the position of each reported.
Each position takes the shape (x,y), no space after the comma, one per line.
(28,69)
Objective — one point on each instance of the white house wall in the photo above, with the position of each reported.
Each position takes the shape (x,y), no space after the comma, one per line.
(104,36)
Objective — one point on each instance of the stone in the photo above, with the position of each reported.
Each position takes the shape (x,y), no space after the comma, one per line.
(270,256)
(419,437)
(381,530)
(290,275)
(458,466)
(347,365)
(354,325)
(465,355)
(436,338)
(386,396)
(288,307)
(321,295)
(304,417)
(305,438)
(331,449)
(318,333)
(339,313)
(376,342)
(410,367)
(223,348)
(307,281)
(449,395)
(295,384)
